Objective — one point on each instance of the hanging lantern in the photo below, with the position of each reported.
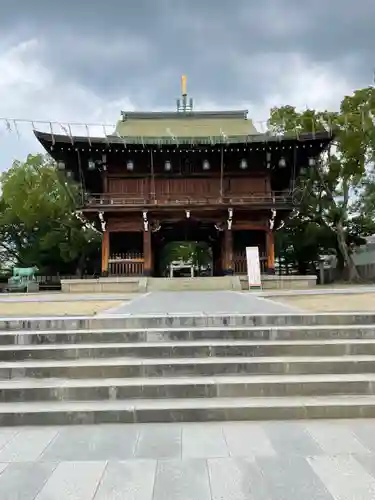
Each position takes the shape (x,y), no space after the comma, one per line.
(130,165)
(167,166)
(61,165)
(91,165)
(206,165)
(243,164)
(282,163)
(312,162)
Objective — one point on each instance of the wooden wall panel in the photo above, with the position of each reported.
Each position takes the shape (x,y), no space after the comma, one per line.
(117,185)
(246,185)
(124,225)
(187,186)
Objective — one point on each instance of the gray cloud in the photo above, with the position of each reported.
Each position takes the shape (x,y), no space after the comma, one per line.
(233,51)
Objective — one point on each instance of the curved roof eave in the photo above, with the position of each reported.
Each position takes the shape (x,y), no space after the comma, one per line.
(52,139)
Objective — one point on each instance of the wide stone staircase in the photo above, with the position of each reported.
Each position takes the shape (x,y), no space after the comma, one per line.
(186,368)
(207,283)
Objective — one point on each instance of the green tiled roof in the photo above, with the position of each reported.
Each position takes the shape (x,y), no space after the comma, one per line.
(184,125)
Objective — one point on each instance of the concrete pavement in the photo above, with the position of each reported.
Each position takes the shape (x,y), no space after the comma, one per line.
(318,460)
(220,302)
(322,460)
(65,297)
(321,290)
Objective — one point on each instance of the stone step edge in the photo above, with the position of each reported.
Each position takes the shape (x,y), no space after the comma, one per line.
(187,343)
(52,323)
(47,383)
(229,328)
(232,360)
(187,315)
(186,410)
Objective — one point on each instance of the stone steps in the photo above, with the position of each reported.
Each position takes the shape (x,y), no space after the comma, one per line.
(185,321)
(186,368)
(230,333)
(207,283)
(186,410)
(107,389)
(189,349)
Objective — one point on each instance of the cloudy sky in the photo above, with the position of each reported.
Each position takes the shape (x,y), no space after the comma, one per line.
(84,61)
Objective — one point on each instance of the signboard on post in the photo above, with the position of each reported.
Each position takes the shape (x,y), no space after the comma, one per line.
(253,267)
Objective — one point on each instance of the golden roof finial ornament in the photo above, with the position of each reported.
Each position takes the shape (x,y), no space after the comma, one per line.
(183,105)
(183,85)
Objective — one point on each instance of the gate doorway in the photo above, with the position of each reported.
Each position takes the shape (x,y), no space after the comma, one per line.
(190,246)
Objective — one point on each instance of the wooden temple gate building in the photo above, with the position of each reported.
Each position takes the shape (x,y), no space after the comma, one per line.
(185,176)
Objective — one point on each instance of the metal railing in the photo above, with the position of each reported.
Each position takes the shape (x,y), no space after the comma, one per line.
(175,199)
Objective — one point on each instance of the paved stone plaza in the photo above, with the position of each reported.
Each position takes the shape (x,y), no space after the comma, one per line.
(219,302)
(322,460)
(253,460)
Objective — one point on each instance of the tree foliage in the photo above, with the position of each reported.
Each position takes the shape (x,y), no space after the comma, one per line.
(195,253)
(327,219)
(38,222)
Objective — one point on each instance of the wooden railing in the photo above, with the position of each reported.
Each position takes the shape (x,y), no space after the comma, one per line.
(240,264)
(126,265)
(129,200)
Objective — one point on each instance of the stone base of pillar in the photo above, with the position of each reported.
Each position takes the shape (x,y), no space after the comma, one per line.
(271,271)
(104,274)
(147,272)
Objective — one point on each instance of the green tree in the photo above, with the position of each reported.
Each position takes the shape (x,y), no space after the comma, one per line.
(365,204)
(325,195)
(38,222)
(197,253)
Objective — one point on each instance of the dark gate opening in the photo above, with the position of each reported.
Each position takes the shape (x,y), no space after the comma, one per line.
(248,238)
(126,254)
(182,233)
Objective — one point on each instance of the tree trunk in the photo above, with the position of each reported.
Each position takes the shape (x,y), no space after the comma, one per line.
(80,265)
(302,268)
(348,259)
(341,240)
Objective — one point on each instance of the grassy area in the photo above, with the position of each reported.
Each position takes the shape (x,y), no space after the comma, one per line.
(56,308)
(331,302)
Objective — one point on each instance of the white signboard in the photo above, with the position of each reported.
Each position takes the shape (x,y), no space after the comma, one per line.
(253,267)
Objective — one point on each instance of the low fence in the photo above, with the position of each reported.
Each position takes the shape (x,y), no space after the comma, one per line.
(366,273)
(50,282)
(128,264)
(125,267)
(276,200)
(240,263)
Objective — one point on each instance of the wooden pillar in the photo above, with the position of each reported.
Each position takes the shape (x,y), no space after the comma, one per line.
(228,252)
(153,193)
(222,173)
(105,253)
(270,245)
(147,253)
(105,183)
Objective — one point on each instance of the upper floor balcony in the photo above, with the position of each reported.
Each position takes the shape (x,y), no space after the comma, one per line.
(129,202)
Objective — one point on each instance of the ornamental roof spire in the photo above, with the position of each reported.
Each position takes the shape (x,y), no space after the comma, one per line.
(183,106)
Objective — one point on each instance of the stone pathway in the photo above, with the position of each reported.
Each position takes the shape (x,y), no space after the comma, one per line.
(325,460)
(321,290)
(202,303)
